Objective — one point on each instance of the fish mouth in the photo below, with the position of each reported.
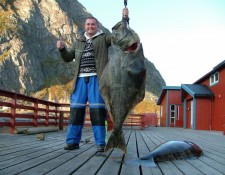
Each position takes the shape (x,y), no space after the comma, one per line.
(195,148)
(131,48)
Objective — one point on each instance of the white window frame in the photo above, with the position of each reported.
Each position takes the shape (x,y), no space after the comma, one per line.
(214,79)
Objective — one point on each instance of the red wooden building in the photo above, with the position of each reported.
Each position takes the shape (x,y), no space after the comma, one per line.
(200,105)
(171,107)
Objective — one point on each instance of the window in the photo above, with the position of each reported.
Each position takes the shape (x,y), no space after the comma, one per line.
(172,114)
(161,111)
(214,78)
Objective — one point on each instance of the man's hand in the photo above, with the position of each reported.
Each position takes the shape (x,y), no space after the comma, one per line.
(125,13)
(60,44)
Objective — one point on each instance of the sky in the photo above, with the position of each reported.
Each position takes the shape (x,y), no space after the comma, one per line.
(184,39)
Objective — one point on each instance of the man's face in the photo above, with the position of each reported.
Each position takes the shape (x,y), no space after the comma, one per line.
(91,27)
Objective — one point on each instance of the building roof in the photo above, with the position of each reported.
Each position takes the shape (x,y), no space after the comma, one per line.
(196,90)
(163,92)
(215,69)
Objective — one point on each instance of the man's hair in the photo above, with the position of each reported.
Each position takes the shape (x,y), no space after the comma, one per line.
(91,17)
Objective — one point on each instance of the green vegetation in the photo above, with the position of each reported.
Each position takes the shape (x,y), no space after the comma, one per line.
(6,21)
(55,92)
(4,55)
(148,105)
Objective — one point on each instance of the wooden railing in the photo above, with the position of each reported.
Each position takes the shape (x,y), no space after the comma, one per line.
(17,110)
(142,120)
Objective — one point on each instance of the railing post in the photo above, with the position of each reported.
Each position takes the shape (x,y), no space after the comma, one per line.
(61,115)
(35,119)
(47,115)
(143,122)
(13,114)
(223,129)
(56,115)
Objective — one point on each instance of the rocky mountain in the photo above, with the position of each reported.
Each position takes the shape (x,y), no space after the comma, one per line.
(33,65)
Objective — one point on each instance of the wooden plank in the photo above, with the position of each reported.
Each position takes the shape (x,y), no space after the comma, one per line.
(132,153)
(115,159)
(214,156)
(54,149)
(143,150)
(153,137)
(29,164)
(150,145)
(186,167)
(169,168)
(48,157)
(51,164)
(163,167)
(147,138)
(193,170)
(205,168)
(23,147)
(20,147)
(219,166)
(5,114)
(93,164)
(74,164)
(201,139)
(113,162)
(2,103)
(28,155)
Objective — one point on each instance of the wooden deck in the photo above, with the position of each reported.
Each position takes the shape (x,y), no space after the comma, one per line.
(24,154)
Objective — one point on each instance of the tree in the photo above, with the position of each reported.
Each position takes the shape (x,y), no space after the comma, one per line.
(5,22)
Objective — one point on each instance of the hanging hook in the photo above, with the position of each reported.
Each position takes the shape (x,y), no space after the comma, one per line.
(125,18)
(125,3)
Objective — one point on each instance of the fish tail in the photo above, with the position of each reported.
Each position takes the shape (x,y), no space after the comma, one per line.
(116,140)
(141,162)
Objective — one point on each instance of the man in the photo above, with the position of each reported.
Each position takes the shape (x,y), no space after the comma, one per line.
(91,56)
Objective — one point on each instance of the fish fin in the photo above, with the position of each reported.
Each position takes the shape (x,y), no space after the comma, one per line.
(116,140)
(141,162)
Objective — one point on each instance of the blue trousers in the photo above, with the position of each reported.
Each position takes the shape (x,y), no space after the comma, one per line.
(87,90)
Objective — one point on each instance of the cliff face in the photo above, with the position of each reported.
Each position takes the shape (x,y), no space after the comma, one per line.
(33,65)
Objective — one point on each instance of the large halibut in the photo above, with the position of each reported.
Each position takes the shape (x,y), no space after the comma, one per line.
(122,83)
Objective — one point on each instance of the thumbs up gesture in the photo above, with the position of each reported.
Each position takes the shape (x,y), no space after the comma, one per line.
(60,44)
